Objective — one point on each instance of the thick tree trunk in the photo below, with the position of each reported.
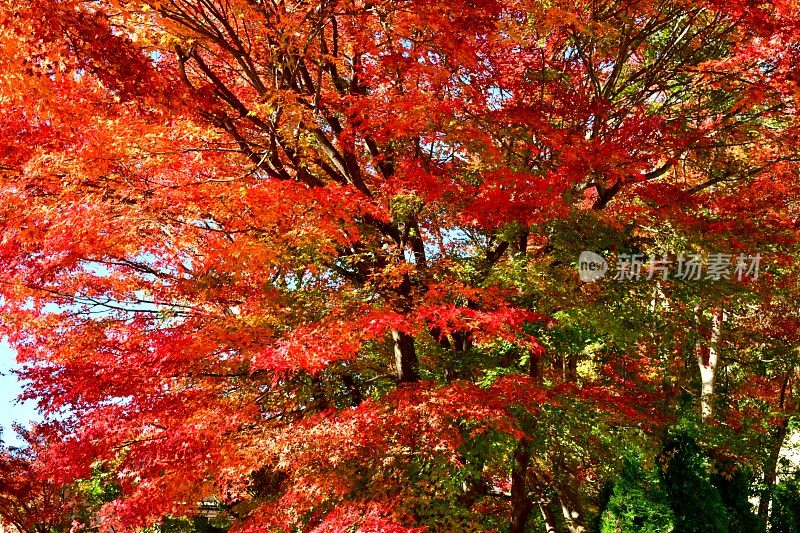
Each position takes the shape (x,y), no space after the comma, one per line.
(405,357)
(521,504)
(708,361)
(771,470)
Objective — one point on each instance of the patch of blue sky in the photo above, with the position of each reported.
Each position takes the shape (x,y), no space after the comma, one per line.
(12,410)
(497,98)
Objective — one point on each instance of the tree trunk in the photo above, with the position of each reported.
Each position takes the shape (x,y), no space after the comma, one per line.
(405,357)
(352,390)
(320,398)
(572,516)
(521,504)
(547,516)
(566,487)
(771,467)
(771,470)
(708,360)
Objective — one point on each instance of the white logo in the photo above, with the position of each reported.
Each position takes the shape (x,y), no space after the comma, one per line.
(591,267)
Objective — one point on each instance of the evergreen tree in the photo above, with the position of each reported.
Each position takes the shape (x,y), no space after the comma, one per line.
(638,503)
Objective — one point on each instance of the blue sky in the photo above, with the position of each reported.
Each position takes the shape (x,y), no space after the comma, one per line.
(11,410)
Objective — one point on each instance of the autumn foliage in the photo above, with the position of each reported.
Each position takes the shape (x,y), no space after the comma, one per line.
(315,260)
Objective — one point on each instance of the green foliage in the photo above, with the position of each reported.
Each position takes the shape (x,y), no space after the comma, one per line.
(98,489)
(638,503)
(733,484)
(785,517)
(689,493)
(695,501)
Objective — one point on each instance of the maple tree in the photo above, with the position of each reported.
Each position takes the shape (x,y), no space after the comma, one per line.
(29,502)
(316,259)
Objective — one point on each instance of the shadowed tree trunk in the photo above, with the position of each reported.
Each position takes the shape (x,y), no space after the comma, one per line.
(521,504)
(405,357)
(771,466)
(771,469)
